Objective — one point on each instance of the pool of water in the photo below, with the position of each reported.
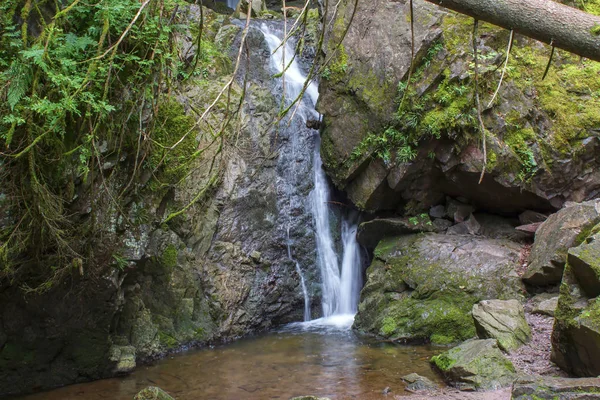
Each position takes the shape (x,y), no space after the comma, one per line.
(322,358)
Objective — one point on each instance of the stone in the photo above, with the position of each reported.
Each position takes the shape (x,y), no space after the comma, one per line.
(458,211)
(476,365)
(551,388)
(560,232)
(371,232)
(585,264)
(503,320)
(417,382)
(468,227)
(310,398)
(124,357)
(438,211)
(531,217)
(576,334)
(530,229)
(153,393)
(441,224)
(545,304)
(422,287)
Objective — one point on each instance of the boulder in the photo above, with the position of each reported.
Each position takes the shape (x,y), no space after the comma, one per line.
(371,232)
(551,388)
(503,320)
(476,365)
(531,217)
(153,393)
(458,211)
(544,304)
(417,382)
(438,211)
(576,334)
(469,226)
(561,231)
(422,287)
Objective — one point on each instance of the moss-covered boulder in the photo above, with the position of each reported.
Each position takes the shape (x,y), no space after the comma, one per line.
(552,388)
(576,335)
(560,232)
(422,287)
(476,365)
(503,320)
(153,393)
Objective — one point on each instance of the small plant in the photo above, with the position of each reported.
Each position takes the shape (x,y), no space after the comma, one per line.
(120,262)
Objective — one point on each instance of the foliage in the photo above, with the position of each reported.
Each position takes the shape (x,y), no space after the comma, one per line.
(80,84)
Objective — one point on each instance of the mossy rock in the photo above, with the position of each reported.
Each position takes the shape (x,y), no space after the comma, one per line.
(576,335)
(476,365)
(552,388)
(565,229)
(422,287)
(503,320)
(153,393)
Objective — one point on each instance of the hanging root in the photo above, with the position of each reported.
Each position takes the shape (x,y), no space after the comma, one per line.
(510,43)
(478,102)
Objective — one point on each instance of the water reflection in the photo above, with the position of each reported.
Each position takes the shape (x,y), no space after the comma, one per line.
(295,361)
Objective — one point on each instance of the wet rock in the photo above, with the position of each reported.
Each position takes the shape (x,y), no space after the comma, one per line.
(153,393)
(555,236)
(468,227)
(576,335)
(476,365)
(503,320)
(544,304)
(371,232)
(551,388)
(531,217)
(422,287)
(417,382)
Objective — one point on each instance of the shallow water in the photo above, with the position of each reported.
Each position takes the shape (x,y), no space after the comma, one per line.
(320,358)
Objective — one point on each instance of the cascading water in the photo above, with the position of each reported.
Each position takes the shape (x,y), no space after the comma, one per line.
(340,286)
(232,4)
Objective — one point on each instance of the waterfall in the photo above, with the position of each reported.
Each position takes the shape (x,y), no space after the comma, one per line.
(341,284)
(232,4)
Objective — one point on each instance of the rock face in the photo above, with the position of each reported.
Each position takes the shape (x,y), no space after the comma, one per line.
(550,388)
(559,233)
(503,320)
(476,365)
(576,335)
(535,161)
(153,393)
(216,272)
(422,287)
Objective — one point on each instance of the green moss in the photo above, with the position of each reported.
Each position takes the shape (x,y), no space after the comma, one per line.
(443,361)
(595,30)
(172,124)
(338,66)
(167,340)
(169,257)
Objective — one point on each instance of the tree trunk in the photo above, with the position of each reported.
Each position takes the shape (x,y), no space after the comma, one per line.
(545,20)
